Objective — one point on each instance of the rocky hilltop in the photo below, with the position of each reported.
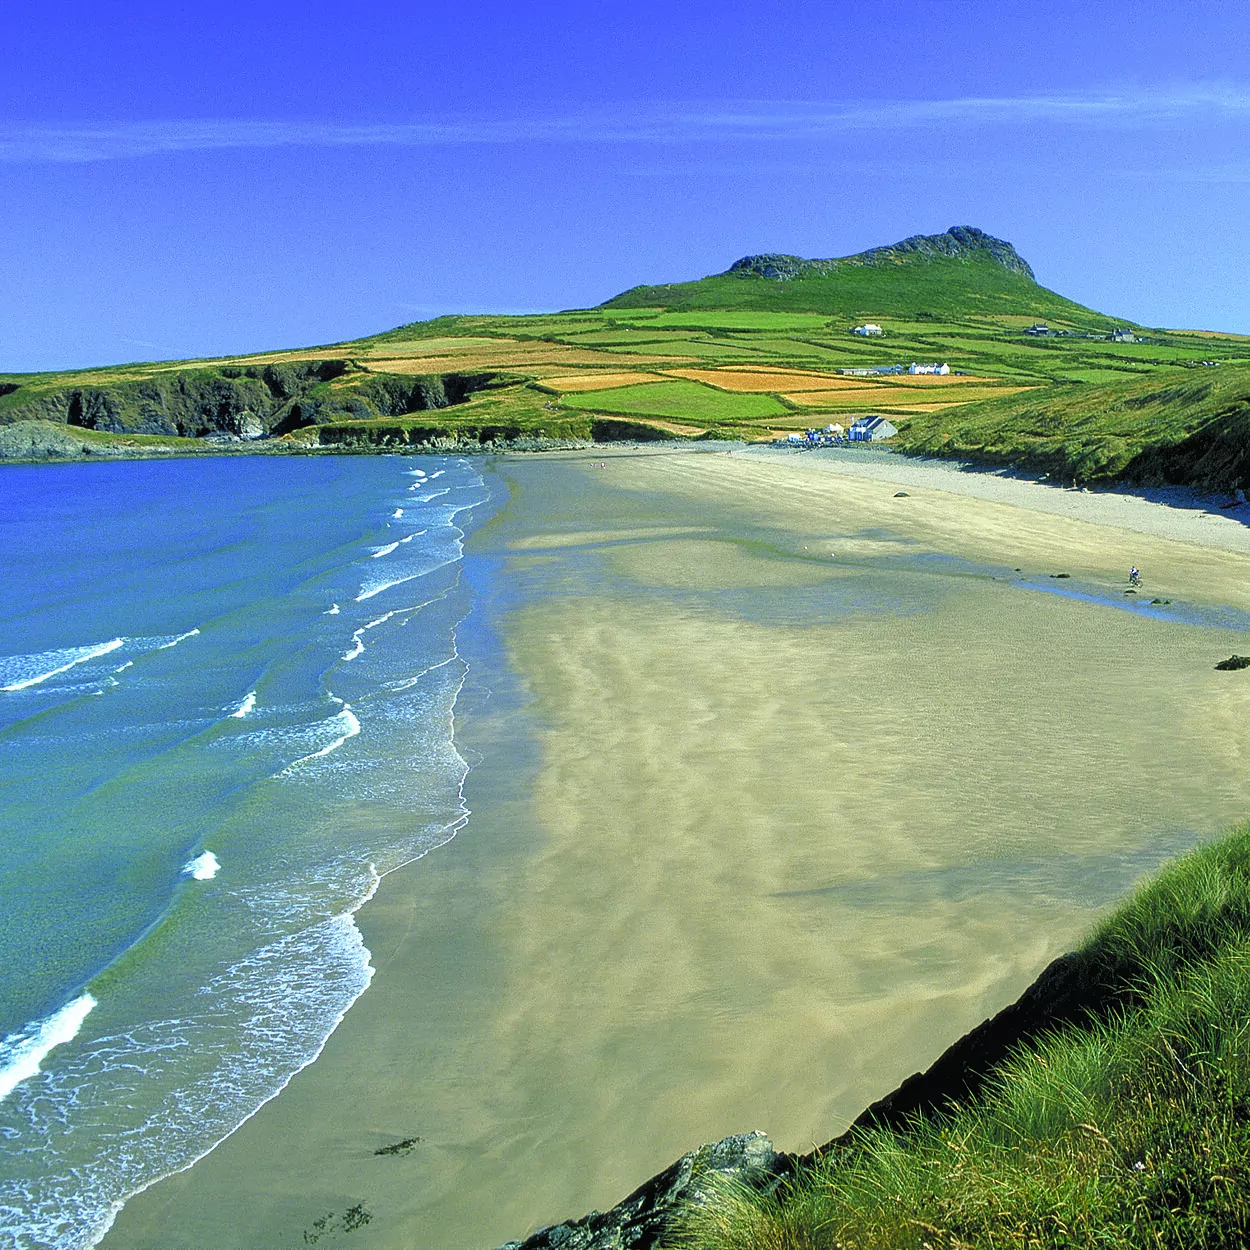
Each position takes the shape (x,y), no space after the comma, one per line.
(945,276)
(958,243)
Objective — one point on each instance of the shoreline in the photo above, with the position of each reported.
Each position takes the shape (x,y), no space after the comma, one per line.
(1178,513)
(594,870)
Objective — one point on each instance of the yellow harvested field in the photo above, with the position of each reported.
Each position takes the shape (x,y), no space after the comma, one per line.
(597,381)
(525,356)
(671,427)
(450,345)
(892,399)
(762,380)
(843,395)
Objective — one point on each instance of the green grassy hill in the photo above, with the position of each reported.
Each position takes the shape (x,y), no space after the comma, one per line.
(764,349)
(1183,426)
(961,273)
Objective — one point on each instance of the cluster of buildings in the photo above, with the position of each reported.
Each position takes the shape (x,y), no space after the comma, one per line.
(876,371)
(863,430)
(1119,334)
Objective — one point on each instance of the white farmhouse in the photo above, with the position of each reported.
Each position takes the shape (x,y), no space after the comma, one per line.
(941,370)
(871,430)
(868,329)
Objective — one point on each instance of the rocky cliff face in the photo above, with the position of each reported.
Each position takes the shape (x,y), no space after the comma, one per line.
(959,242)
(243,401)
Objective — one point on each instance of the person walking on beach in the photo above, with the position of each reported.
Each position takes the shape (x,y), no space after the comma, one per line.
(1134,577)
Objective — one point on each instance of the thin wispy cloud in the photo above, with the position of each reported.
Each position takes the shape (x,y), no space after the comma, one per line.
(674,123)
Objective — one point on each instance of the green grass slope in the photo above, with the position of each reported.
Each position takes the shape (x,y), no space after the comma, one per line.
(1130,1128)
(1188,426)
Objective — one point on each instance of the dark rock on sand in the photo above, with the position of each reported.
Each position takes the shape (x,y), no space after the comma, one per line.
(1233,662)
(640,1221)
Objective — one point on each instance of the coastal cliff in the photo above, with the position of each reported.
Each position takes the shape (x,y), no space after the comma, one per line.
(238,401)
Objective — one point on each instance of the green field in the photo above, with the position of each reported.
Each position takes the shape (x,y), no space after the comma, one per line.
(679,401)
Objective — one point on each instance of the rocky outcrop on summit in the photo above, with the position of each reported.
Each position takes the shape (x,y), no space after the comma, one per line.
(782,268)
(959,242)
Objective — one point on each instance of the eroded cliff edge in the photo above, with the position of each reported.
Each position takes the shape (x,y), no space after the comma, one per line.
(1068,990)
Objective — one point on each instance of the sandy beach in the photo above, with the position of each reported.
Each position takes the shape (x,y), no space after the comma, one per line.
(1174,513)
(781,782)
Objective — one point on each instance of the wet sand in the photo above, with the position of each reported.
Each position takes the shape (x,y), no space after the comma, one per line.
(792,782)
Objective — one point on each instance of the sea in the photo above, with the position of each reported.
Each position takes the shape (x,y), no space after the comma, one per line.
(227,710)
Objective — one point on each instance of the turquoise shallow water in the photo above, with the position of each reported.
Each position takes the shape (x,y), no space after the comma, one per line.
(227,692)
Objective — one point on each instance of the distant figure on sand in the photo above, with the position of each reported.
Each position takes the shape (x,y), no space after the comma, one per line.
(1134,577)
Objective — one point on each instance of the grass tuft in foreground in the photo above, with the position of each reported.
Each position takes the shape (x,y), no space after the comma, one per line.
(1129,1129)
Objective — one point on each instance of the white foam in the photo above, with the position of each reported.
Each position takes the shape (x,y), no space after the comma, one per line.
(347,722)
(332,610)
(78,655)
(357,646)
(124,667)
(22,1053)
(369,591)
(202,867)
(409,682)
(416,472)
(437,473)
(384,551)
(397,514)
(249,702)
(173,642)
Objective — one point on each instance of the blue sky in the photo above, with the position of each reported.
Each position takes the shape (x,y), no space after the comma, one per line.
(183,181)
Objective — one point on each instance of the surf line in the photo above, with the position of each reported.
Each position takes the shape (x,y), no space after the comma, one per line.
(173,642)
(88,653)
(249,702)
(23,1053)
(345,924)
(347,718)
(203,867)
